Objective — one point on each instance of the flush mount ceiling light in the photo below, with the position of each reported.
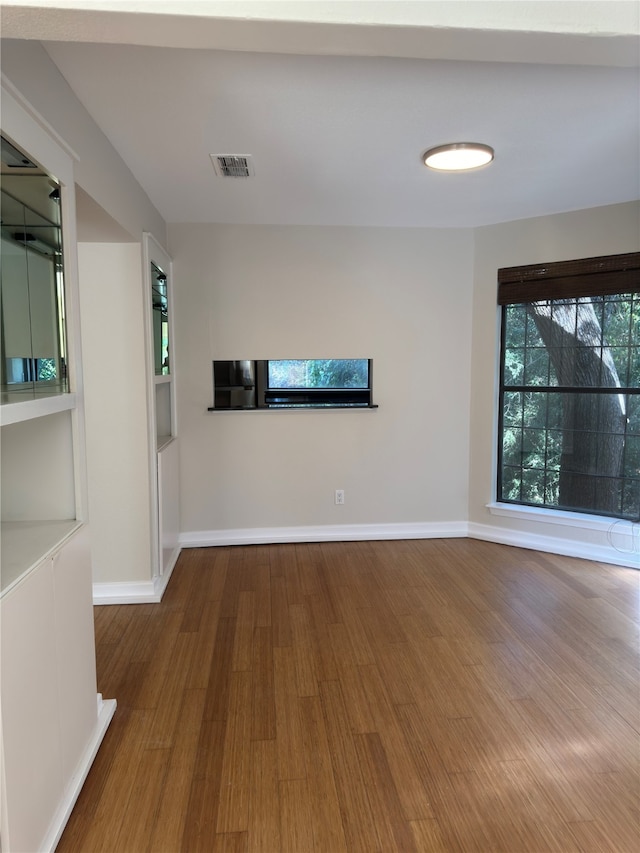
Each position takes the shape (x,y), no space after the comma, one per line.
(458,156)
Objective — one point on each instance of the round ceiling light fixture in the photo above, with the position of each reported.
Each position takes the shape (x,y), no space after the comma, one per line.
(458,156)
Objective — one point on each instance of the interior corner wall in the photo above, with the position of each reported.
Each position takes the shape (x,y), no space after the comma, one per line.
(598,231)
(399,296)
(99,170)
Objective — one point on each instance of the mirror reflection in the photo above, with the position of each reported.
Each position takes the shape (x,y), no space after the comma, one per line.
(32,322)
(160,314)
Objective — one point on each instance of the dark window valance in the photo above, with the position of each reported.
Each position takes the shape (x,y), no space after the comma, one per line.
(600,276)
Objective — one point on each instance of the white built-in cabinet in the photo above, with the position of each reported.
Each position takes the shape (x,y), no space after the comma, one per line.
(52,718)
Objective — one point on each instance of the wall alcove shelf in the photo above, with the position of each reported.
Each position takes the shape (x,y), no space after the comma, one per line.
(305,407)
(292,384)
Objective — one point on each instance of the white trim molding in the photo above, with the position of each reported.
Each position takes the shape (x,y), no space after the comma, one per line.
(620,543)
(553,516)
(323,533)
(620,546)
(134,592)
(35,116)
(106,710)
(622,551)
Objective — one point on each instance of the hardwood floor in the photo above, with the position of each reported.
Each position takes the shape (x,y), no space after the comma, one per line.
(442,695)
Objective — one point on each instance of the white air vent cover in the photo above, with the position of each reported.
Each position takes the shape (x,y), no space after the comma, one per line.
(232,165)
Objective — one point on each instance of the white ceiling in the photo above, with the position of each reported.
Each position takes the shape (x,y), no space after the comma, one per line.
(336,135)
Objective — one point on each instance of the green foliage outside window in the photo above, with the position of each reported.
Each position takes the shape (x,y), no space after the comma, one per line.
(572,449)
(319,373)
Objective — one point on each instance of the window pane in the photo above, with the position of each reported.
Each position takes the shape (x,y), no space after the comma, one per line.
(536,371)
(615,320)
(512,408)
(551,489)
(514,366)
(634,321)
(512,447)
(532,338)
(515,318)
(533,486)
(632,457)
(555,412)
(620,358)
(634,367)
(631,499)
(318,373)
(535,409)
(533,448)
(633,415)
(554,449)
(511,484)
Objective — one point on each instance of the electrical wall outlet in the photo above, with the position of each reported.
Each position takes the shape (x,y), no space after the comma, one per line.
(339,497)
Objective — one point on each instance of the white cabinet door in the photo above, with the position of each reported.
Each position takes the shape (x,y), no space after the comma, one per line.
(49,708)
(30,711)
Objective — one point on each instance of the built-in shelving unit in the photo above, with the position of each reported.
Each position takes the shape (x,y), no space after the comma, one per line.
(37,410)
(52,717)
(39,507)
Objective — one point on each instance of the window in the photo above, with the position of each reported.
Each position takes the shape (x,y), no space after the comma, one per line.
(342,382)
(334,383)
(569,418)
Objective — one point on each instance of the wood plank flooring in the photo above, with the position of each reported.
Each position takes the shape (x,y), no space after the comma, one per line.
(442,695)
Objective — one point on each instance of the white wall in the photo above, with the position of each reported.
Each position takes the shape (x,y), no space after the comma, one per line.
(37,470)
(399,296)
(567,236)
(111,304)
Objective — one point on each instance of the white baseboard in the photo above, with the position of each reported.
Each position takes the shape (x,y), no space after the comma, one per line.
(106,710)
(322,533)
(573,547)
(135,592)
(125,592)
(160,584)
(151,592)
(555,545)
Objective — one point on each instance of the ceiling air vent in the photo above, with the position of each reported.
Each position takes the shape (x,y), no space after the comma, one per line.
(232,165)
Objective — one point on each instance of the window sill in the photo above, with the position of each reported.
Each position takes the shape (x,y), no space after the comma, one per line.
(552,516)
(296,406)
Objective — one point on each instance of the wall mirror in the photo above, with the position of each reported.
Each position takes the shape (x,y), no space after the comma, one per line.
(159,339)
(32,310)
(159,304)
